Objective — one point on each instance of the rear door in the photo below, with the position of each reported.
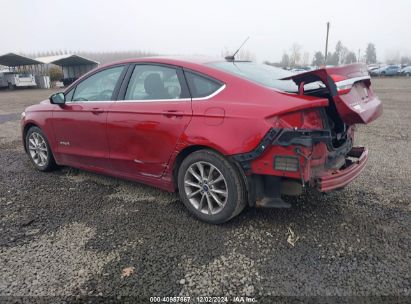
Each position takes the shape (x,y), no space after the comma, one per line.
(350,89)
(145,125)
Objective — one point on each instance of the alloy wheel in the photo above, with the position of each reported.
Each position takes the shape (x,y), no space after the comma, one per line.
(38,149)
(205,187)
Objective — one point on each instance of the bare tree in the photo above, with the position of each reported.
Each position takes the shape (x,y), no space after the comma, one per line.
(285,61)
(276,64)
(295,57)
(243,54)
(306,59)
(340,53)
(393,57)
(370,54)
(405,60)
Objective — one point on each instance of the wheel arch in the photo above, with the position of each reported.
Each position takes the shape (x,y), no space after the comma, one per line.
(182,155)
(191,149)
(26,128)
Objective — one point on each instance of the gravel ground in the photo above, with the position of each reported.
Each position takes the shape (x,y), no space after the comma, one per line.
(72,233)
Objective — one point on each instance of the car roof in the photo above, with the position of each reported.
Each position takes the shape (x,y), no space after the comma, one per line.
(184,61)
(196,63)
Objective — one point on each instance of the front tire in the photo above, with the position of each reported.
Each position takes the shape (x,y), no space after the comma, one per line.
(211,187)
(38,149)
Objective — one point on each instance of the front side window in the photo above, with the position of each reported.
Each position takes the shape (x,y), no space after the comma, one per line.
(201,86)
(69,95)
(153,82)
(98,87)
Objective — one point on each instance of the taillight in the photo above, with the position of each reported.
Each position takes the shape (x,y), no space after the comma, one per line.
(337,77)
(344,89)
(342,86)
(305,119)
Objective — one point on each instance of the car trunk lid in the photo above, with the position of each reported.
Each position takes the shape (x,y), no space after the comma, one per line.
(349,88)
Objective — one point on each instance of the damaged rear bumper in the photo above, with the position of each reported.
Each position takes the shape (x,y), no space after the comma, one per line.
(336,179)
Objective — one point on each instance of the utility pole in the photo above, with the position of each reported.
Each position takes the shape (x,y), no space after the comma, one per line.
(359,55)
(326,44)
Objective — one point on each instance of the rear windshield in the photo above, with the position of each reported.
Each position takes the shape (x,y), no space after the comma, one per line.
(261,73)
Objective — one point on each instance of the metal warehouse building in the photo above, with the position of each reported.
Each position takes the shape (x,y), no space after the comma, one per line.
(73,66)
(22,71)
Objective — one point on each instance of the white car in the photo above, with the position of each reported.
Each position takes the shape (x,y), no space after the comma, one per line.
(13,80)
(298,70)
(374,66)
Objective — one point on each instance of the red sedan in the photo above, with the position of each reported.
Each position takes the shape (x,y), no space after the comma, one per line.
(225,134)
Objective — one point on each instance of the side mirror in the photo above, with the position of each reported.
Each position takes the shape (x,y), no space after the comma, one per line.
(58,98)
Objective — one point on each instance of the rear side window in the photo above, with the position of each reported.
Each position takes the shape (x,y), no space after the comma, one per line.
(260,73)
(201,86)
(155,82)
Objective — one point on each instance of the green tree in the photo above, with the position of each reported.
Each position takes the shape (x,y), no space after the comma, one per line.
(55,73)
(333,58)
(350,58)
(338,54)
(318,59)
(370,54)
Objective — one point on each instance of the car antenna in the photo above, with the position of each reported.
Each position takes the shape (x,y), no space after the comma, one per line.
(232,57)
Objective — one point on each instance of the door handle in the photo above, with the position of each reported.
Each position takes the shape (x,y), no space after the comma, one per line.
(97,111)
(173,113)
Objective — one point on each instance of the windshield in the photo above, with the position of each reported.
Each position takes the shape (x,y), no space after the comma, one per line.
(261,73)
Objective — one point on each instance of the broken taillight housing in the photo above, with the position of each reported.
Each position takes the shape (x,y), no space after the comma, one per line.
(312,119)
(286,163)
(306,119)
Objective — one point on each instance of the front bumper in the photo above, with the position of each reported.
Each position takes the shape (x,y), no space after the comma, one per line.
(336,179)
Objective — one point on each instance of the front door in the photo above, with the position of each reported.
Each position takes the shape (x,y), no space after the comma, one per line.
(144,128)
(80,125)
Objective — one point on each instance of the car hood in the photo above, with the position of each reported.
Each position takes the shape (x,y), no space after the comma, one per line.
(43,105)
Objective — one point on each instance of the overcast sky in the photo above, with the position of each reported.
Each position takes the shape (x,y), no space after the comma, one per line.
(204,26)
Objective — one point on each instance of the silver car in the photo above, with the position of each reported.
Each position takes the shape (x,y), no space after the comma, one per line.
(406,71)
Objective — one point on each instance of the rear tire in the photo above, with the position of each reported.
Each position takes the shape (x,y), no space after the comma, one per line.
(38,150)
(211,187)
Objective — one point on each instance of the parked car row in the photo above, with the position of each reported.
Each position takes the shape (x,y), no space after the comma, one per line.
(389,70)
